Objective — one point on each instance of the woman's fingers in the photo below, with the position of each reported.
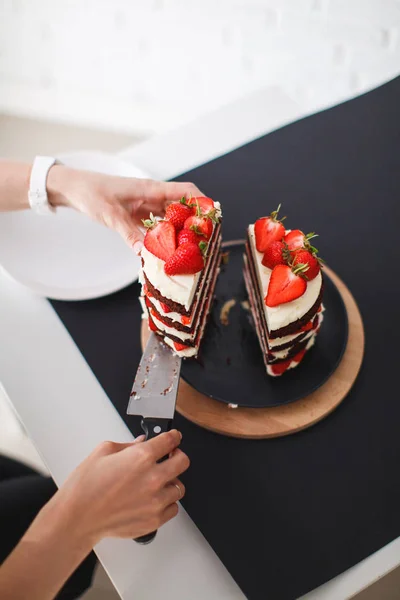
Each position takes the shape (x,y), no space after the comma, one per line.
(119,219)
(170,191)
(162,445)
(176,464)
(172,492)
(169,513)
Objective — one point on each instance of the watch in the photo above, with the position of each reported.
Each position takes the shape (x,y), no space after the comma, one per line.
(37,195)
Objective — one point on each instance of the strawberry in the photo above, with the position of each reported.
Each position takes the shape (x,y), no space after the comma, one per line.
(294,239)
(156,316)
(280,368)
(179,346)
(188,235)
(186,260)
(160,238)
(185,320)
(286,284)
(152,325)
(268,229)
(299,356)
(202,226)
(277,253)
(306,258)
(165,308)
(307,327)
(177,213)
(204,204)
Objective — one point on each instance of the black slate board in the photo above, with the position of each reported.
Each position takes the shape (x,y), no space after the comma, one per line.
(285,515)
(230,366)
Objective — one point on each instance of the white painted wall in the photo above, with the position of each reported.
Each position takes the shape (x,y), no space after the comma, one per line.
(145,66)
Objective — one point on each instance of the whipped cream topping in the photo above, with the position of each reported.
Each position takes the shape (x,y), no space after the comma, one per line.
(284,314)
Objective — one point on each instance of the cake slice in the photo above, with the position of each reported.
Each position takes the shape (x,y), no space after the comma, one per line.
(284,283)
(180,265)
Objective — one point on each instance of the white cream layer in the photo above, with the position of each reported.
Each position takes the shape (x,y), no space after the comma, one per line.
(178,288)
(284,314)
(192,351)
(177,317)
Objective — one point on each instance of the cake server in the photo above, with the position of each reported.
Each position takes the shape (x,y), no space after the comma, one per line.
(154,392)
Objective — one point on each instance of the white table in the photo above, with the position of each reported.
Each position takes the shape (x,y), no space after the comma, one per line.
(55,393)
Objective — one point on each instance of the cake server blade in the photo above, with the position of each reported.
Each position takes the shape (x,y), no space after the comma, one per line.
(153,395)
(155,388)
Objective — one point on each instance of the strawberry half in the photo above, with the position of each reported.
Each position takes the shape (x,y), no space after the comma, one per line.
(305,257)
(280,368)
(160,238)
(268,229)
(186,260)
(285,285)
(299,356)
(152,325)
(177,213)
(307,327)
(277,253)
(165,308)
(179,346)
(188,235)
(185,320)
(202,226)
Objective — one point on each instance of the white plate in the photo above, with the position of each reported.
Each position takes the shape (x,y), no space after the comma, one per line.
(67,256)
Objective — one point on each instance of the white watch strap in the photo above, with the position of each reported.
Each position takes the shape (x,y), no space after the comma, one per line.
(37,194)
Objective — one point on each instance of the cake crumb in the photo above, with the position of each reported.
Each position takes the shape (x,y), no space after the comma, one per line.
(224,258)
(245,305)
(224,314)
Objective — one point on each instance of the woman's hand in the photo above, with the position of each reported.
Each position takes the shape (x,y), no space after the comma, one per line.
(121,491)
(117,202)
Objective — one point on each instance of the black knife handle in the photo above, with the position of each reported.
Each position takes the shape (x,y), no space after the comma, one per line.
(152,428)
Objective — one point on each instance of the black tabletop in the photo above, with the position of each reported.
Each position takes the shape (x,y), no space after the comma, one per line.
(286,515)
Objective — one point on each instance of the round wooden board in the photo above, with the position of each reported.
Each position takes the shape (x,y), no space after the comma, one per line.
(258,423)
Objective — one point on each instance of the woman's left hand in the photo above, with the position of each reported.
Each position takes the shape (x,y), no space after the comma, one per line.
(117,202)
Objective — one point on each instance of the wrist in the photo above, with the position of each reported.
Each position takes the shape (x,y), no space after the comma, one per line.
(59,524)
(57,185)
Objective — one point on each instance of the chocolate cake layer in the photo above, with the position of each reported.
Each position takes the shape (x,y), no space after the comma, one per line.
(293,327)
(291,354)
(176,324)
(209,293)
(174,306)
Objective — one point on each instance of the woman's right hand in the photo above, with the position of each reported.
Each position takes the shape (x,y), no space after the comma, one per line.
(121,490)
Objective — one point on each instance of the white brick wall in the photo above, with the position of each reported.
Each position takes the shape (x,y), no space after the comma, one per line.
(149,65)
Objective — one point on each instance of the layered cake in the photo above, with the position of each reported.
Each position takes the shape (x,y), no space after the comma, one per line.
(284,283)
(180,265)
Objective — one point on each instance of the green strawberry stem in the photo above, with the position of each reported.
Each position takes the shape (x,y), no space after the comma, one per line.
(274,215)
(196,230)
(300,269)
(149,223)
(203,248)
